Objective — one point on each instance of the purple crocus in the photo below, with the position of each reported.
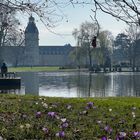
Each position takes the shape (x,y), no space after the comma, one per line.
(90,104)
(52,114)
(46,131)
(103,138)
(117,138)
(108,129)
(38,114)
(64,125)
(121,136)
(60,134)
(136,134)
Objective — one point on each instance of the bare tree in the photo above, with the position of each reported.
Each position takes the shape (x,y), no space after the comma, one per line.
(124,10)
(49,11)
(133,33)
(84,36)
(105,40)
(10,34)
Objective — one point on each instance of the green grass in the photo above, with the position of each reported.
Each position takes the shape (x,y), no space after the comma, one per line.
(36,69)
(22,69)
(18,119)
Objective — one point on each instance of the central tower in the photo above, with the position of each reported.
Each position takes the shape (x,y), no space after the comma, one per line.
(31,44)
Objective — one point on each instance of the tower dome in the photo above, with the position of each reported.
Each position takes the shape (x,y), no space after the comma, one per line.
(31,27)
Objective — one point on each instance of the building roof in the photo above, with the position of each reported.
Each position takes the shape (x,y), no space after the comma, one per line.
(55,49)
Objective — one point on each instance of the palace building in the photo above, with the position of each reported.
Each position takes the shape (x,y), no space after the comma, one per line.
(31,54)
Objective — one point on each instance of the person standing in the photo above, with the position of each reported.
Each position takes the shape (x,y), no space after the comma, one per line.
(4,70)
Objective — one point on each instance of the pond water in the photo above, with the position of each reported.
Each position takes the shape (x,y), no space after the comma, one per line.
(78,84)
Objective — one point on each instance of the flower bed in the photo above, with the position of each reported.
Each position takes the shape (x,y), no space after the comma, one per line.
(31,117)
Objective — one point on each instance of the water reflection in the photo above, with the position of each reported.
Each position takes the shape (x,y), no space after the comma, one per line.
(31,83)
(8,88)
(89,85)
(80,84)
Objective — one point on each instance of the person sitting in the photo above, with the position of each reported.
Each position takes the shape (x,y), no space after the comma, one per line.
(4,70)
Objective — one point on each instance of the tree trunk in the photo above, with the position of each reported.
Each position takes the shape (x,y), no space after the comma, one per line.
(133,59)
(90,58)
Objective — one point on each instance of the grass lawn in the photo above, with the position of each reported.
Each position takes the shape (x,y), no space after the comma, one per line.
(33,117)
(22,69)
(35,69)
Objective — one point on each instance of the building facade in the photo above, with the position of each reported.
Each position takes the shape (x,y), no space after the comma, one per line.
(31,54)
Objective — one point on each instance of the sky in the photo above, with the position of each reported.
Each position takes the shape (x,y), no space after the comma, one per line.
(75,16)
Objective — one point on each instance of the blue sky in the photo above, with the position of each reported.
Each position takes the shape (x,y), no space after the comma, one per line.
(75,17)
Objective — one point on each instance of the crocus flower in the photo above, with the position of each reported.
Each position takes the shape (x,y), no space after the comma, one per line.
(85,112)
(136,134)
(46,131)
(133,113)
(108,129)
(21,126)
(57,117)
(99,122)
(134,116)
(69,107)
(45,105)
(38,114)
(90,104)
(87,107)
(117,138)
(121,136)
(64,125)
(52,114)
(103,138)
(60,134)
(63,120)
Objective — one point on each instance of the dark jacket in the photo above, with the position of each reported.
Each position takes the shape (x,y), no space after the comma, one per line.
(3,68)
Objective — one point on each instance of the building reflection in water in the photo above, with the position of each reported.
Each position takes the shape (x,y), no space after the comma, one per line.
(10,89)
(31,81)
(81,84)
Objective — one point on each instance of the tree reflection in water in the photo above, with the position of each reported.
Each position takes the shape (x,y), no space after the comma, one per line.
(80,84)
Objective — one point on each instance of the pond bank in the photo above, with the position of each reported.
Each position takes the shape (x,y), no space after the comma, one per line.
(61,69)
(33,117)
(43,69)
